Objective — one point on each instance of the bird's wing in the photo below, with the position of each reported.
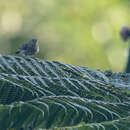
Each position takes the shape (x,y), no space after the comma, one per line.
(30,44)
(24,46)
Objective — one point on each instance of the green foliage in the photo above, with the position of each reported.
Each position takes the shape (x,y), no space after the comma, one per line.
(52,95)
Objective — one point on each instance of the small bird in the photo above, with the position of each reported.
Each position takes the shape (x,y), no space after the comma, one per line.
(29,48)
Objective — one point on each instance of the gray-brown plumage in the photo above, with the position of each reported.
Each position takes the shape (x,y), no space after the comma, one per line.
(29,48)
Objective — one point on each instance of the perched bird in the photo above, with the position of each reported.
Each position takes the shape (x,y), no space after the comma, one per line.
(29,48)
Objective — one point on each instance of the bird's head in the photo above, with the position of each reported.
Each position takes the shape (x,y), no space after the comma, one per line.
(125,33)
(35,40)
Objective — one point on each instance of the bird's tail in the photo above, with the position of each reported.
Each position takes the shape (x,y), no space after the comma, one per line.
(17,52)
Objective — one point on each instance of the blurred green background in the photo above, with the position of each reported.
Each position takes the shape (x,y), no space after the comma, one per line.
(78,32)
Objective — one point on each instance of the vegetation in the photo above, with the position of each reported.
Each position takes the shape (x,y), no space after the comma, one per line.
(38,94)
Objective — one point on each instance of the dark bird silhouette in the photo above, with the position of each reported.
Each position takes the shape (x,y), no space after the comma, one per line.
(125,35)
(29,48)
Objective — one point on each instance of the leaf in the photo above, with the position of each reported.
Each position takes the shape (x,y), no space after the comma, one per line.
(49,94)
